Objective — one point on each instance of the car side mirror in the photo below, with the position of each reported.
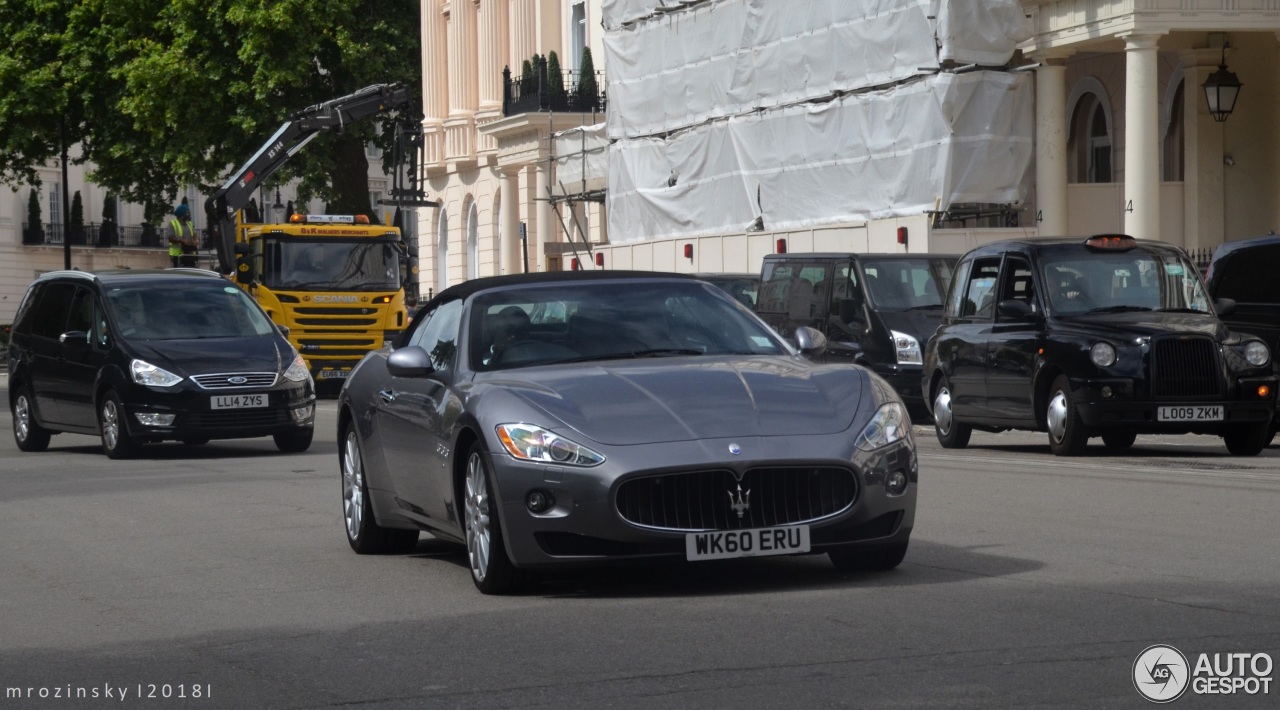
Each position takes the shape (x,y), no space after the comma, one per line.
(75,338)
(1014,309)
(811,341)
(410,361)
(1224,306)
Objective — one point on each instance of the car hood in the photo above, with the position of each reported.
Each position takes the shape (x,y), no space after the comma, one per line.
(918,324)
(1148,323)
(641,402)
(212,355)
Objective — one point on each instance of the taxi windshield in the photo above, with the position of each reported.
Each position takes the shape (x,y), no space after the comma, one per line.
(1080,281)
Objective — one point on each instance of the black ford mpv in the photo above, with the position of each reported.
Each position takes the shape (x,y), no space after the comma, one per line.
(1107,336)
(145,356)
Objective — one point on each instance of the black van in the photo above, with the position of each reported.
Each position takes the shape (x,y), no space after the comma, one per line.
(876,310)
(1245,272)
(139,356)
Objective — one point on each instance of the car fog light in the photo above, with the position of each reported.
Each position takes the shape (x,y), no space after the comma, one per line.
(896,483)
(539,501)
(154,419)
(1107,393)
(302,414)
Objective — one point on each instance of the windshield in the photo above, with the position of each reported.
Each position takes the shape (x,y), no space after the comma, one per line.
(1081,281)
(603,320)
(906,284)
(186,311)
(334,265)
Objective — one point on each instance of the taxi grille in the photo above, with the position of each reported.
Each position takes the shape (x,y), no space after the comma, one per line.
(235,380)
(704,500)
(1185,367)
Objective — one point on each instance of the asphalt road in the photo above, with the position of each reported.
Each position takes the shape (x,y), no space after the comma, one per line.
(1031,581)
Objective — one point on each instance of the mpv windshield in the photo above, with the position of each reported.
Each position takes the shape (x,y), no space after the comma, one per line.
(185,311)
(1081,281)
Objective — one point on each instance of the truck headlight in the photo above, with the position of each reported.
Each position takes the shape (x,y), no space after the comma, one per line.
(1102,354)
(889,424)
(907,349)
(297,372)
(1257,353)
(144,373)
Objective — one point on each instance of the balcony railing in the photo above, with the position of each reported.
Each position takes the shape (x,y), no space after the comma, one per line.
(533,93)
(95,235)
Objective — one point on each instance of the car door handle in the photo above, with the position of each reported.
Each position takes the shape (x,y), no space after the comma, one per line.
(387,396)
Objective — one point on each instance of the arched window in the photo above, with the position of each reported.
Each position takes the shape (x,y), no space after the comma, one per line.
(473,241)
(1173,165)
(442,251)
(1089,140)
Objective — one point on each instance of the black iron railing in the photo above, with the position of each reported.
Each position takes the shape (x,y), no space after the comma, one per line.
(95,235)
(533,92)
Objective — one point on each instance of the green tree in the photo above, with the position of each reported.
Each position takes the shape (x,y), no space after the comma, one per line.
(35,229)
(556,96)
(588,91)
(164,93)
(75,230)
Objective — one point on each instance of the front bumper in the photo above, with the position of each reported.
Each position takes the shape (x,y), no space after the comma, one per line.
(905,380)
(1127,409)
(585,525)
(290,408)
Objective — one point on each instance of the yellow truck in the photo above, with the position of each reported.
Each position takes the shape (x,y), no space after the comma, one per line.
(336,283)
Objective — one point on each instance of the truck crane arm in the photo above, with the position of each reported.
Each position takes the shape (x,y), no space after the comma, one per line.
(293,134)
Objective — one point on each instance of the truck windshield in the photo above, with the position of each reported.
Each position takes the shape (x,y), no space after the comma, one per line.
(1080,281)
(330,265)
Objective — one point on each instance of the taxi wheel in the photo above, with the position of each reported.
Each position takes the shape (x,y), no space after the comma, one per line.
(1119,439)
(873,559)
(28,435)
(951,434)
(491,569)
(364,534)
(1067,434)
(116,442)
(1247,439)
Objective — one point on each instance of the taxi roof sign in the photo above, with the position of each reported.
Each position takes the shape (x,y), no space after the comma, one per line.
(1111,242)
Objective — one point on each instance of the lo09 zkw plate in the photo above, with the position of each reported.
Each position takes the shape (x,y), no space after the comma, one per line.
(1190,413)
(238,401)
(756,542)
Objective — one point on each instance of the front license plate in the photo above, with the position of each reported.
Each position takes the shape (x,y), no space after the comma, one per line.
(1190,414)
(757,542)
(333,374)
(238,401)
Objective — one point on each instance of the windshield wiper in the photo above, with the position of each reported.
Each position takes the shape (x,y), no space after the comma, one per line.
(1182,310)
(1117,309)
(307,284)
(926,307)
(665,352)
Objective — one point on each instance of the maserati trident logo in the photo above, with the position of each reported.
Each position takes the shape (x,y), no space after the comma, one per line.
(237,380)
(735,449)
(740,503)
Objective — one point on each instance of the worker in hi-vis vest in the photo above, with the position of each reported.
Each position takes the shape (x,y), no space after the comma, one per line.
(182,237)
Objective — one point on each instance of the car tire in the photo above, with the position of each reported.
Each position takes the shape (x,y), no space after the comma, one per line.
(364,534)
(868,559)
(1119,439)
(491,569)
(1068,435)
(116,441)
(294,442)
(29,435)
(1247,439)
(951,434)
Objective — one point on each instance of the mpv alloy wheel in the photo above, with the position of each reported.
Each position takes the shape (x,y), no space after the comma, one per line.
(28,435)
(491,570)
(116,442)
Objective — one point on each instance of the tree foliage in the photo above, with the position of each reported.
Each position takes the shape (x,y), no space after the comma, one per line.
(163,93)
(587,91)
(555,81)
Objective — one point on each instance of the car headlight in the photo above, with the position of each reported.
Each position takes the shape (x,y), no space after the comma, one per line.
(533,443)
(1257,353)
(890,424)
(907,349)
(297,372)
(144,373)
(1102,354)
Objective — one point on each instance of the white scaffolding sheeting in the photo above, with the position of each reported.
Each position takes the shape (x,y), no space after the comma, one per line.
(582,160)
(901,151)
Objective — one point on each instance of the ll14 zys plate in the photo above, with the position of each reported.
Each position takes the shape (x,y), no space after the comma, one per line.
(238,401)
(1190,413)
(756,542)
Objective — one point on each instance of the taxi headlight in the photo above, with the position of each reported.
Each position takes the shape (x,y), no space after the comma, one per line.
(1102,354)
(297,372)
(890,424)
(1257,353)
(144,373)
(533,443)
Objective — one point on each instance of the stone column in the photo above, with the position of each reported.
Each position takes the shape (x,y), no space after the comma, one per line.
(1204,176)
(462,57)
(434,61)
(545,226)
(1051,148)
(493,52)
(1141,138)
(524,23)
(512,254)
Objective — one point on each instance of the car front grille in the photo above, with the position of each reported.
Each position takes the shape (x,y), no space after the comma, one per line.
(235,380)
(238,418)
(1185,367)
(711,500)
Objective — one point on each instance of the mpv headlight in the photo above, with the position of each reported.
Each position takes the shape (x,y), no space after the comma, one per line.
(890,424)
(297,372)
(1257,353)
(533,443)
(144,373)
(907,349)
(1102,354)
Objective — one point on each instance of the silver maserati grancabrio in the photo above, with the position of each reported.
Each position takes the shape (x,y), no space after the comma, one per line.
(567,418)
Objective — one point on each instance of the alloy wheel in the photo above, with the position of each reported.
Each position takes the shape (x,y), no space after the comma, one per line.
(110,424)
(478,531)
(352,486)
(22,417)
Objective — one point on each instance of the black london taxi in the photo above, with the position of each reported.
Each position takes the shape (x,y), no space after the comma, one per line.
(875,310)
(1105,336)
(138,356)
